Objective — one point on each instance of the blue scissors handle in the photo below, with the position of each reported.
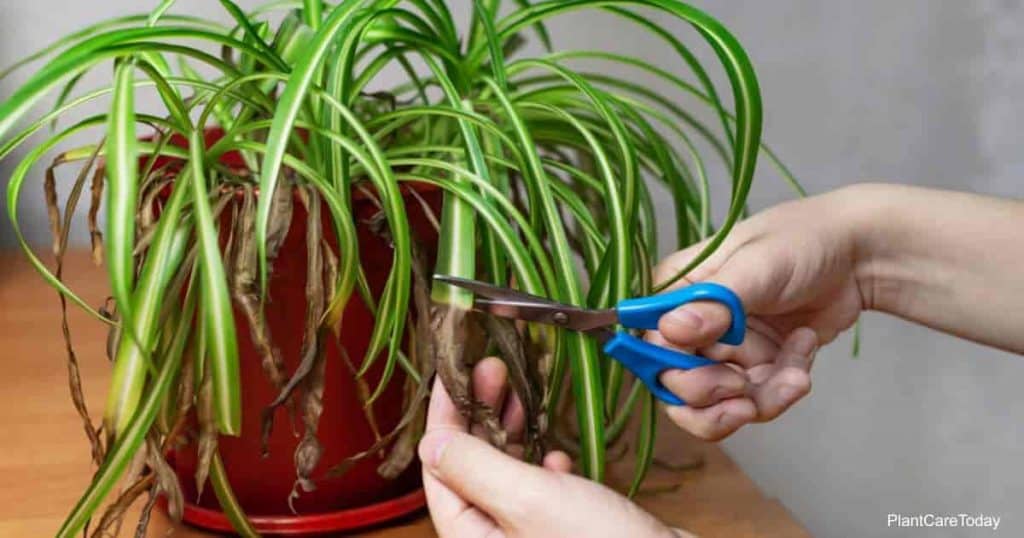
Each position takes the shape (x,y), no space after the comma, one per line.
(645,312)
(647,361)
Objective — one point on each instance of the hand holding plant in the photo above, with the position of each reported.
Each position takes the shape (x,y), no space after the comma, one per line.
(476,491)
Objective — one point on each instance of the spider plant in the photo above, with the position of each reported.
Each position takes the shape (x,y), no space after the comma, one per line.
(544,169)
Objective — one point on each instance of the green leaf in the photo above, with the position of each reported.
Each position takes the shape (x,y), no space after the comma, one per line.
(312,12)
(222,346)
(111,24)
(157,13)
(644,442)
(122,191)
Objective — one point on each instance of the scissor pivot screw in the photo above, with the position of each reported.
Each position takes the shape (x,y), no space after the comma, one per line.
(560,318)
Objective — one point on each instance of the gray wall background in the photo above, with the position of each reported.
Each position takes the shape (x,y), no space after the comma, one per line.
(911,91)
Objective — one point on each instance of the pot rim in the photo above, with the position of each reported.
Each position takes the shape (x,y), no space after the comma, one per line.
(327,522)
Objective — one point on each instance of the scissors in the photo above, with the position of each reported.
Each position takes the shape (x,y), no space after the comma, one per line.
(645,360)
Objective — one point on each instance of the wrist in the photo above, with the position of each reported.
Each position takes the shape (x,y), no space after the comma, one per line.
(869,215)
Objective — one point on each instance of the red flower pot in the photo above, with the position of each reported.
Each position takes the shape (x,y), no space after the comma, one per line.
(262,485)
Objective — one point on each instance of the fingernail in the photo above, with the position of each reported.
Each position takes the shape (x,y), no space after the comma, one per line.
(805,341)
(686,319)
(432,447)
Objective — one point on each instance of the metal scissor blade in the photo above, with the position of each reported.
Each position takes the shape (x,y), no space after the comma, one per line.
(512,304)
(497,293)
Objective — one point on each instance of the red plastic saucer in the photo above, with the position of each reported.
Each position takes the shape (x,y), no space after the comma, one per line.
(304,525)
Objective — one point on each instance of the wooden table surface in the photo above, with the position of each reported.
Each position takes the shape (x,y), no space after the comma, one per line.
(45,464)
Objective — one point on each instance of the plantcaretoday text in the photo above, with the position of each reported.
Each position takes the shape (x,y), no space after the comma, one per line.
(940,520)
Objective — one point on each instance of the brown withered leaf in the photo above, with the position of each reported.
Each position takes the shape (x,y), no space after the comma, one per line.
(207,430)
(166,480)
(309,450)
(427,210)
(153,183)
(409,426)
(331,269)
(450,329)
(362,391)
(396,462)
(230,249)
(371,195)
(136,468)
(146,213)
(541,353)
(96,198)
(183,401)
(331,266)
(421,351)
(393,465)
(109,311)
(177,283)
(245,290)
(404,449)
(146,216)
(61,243)
(113,516)
(146,514)
(523,378)
(280,222)
(311,350)
(52,206)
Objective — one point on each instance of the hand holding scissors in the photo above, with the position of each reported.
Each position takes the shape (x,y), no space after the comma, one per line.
(645,360)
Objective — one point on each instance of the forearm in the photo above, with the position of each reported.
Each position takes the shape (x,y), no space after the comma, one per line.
(951,261)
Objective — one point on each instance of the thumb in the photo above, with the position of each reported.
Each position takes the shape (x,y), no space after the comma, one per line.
(505,488)
(702,323)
